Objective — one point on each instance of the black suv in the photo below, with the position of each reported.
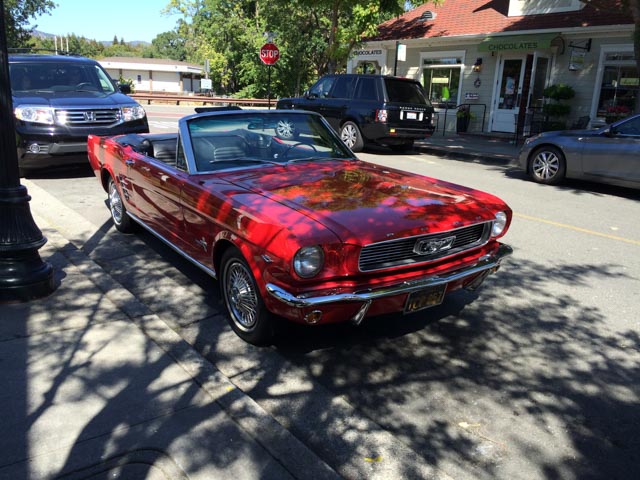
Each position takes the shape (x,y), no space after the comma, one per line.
(59,100)
(364,109)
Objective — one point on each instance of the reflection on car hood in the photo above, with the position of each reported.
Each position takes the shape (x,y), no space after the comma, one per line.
(364,203)
(71,99)
(571,133)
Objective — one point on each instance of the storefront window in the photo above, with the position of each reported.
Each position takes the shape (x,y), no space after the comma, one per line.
(441,80)
(620,85)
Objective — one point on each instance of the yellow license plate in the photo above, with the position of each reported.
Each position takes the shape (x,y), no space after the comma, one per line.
(429,297)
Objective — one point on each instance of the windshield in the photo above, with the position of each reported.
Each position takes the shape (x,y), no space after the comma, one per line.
(59,77)
(222,141)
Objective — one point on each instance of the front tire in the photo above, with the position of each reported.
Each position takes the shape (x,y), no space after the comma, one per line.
(547,165)
(350,134)
(248,316)
(119,215)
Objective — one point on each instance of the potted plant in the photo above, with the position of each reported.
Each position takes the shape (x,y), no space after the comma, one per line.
(557,111)
(464,115)
(617,112)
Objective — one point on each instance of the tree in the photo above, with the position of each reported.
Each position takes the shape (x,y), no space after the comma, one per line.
(168,45)
(18,14)
(314,36)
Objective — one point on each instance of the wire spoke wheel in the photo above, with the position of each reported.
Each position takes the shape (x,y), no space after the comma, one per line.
(242,298)
(115,203)
(248,316)
(118,211)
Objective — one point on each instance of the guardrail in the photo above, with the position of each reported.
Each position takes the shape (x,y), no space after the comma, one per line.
(202,100)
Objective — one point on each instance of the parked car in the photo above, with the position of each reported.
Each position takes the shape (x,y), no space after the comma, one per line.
(59,100)
(274,205)
(610,154)
(366,109)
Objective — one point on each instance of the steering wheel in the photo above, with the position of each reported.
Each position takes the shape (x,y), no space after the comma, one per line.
(285,154)
(85,85)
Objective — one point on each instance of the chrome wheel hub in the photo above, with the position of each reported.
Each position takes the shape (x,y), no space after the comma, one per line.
(348,136)
(545,165)
(115,203)
(241,296)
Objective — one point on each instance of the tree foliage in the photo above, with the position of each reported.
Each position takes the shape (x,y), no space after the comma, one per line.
(17,16)
(314,38)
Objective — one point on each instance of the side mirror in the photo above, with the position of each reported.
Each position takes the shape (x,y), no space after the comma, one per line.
(125,88)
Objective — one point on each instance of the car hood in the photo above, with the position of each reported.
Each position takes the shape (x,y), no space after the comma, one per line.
(364,203)
(71,99)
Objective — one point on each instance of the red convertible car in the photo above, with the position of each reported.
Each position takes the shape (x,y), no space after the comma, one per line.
(292,224)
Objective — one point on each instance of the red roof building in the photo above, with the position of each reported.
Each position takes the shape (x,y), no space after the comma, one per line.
(499,56)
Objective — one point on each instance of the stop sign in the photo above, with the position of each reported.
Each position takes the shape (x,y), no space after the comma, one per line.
(269,53)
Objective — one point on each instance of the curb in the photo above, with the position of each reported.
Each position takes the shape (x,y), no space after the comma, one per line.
(479,157)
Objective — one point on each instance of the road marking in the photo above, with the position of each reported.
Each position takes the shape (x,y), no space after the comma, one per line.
(163,125)
(578,229)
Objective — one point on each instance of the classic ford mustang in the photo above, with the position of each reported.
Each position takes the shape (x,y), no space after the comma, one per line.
(292,224)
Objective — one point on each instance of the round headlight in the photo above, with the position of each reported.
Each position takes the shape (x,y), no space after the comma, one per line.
(308,261)
(499,223)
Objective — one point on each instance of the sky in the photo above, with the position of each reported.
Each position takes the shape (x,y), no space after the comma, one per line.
(129,19)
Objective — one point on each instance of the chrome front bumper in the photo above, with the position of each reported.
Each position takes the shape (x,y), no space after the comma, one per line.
(486,263)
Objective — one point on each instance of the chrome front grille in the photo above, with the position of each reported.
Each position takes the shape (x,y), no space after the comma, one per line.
(422,248)
(88,117)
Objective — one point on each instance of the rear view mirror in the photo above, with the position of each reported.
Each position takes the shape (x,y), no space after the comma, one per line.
(125,88)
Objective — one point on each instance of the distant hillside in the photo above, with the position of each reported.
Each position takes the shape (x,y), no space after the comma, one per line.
(106,43)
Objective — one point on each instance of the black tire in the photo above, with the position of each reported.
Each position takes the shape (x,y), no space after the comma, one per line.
(350,134)
(119,214)
(247,315)
(547,165)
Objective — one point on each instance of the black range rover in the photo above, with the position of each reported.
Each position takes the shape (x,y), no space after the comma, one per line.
(364,109)
(59,100)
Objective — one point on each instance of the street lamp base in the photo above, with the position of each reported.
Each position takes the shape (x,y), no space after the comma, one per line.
(24,276)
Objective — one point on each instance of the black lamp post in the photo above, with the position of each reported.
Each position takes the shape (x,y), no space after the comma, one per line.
(23,274)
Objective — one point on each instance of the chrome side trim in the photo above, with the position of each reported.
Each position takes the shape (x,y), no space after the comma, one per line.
(206,269)
(487,262)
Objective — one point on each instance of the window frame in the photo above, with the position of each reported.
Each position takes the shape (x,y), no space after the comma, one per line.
(457,54)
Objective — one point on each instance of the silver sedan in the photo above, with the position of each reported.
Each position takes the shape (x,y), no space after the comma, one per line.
(610,154)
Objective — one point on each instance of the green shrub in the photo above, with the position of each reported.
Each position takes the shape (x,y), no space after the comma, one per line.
(559,92)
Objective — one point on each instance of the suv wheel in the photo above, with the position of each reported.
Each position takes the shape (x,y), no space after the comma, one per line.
(350,134)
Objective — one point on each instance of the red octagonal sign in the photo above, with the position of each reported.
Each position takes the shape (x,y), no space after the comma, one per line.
(269,53)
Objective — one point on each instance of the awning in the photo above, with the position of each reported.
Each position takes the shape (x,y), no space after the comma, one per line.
(516,43)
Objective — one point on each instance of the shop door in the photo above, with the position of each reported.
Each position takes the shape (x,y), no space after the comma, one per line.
(507,96)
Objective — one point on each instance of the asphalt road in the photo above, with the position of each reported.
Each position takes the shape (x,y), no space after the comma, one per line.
(534,376)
